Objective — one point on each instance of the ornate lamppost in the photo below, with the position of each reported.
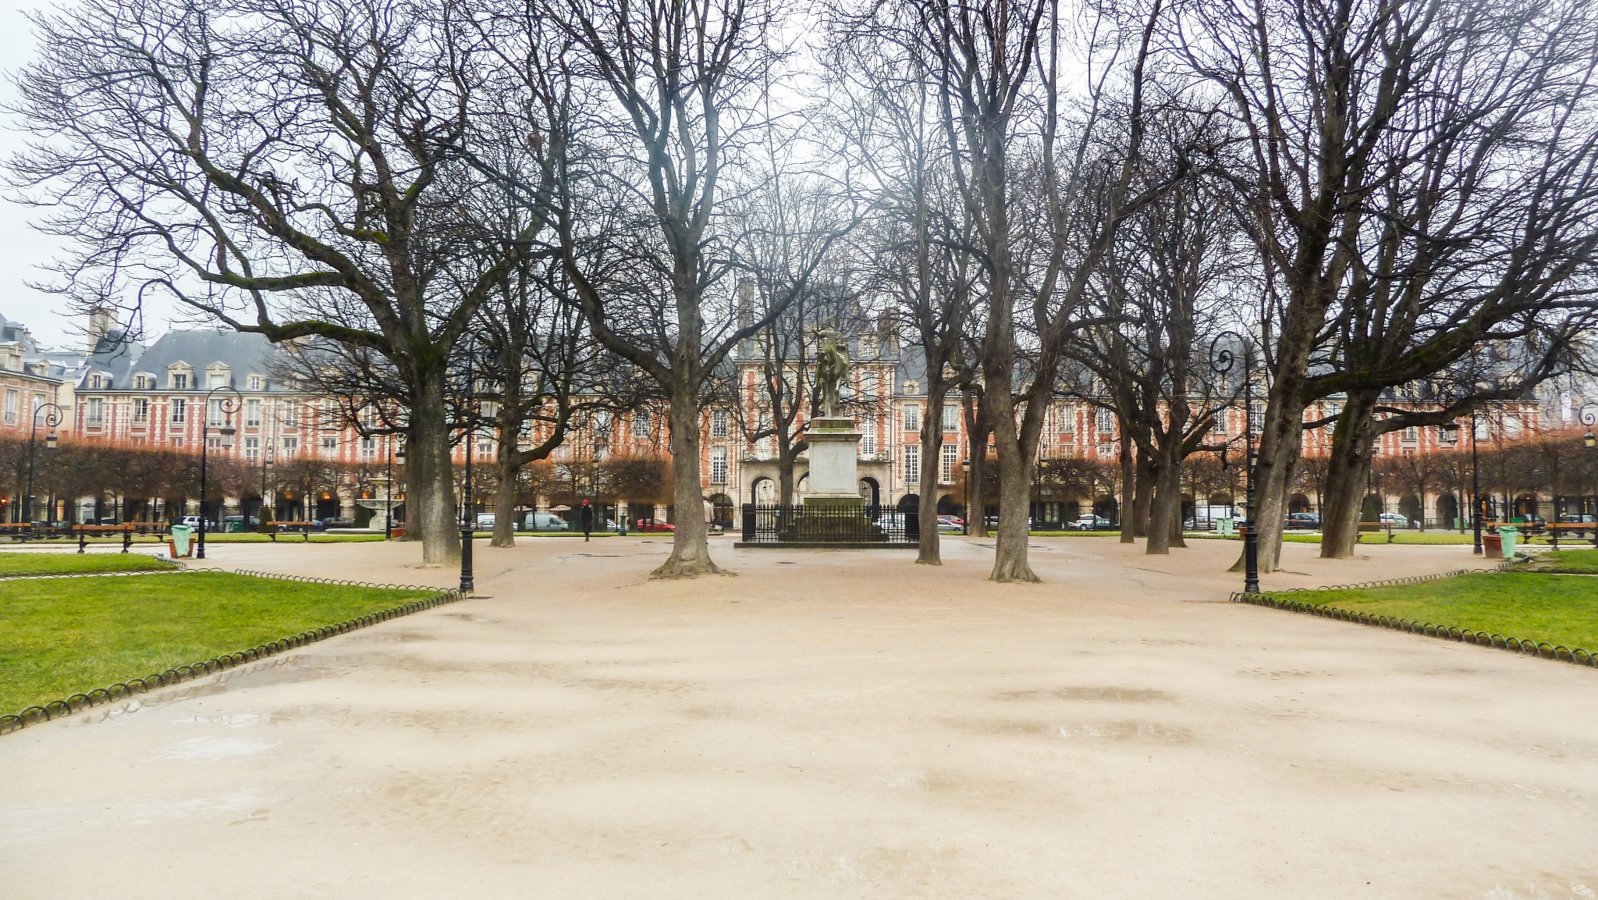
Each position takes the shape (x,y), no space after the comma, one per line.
(467,525)
(227,406)
(965,520)
(53,415)
(1589,418)
(266,463)
(1222,359)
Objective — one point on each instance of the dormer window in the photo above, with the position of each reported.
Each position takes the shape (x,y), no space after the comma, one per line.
(96,382)
(180,378)
(256,383)
(143,382)
(217,375)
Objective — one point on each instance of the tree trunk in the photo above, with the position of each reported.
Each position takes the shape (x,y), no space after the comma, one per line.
(1346,470)
(430,476)
(505,498)
(928,552)
(1015,482)
(1283,432)
(1145,475)
(1128,500)
(785,463)
(1165,507)
(690,547)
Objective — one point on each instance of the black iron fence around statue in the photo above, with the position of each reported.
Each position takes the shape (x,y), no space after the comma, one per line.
(827,524)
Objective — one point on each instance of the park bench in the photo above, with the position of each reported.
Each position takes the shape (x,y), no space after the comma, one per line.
(304,528)
(84,532)
(18,531)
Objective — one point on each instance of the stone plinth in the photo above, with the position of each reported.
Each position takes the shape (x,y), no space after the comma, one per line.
(833,458)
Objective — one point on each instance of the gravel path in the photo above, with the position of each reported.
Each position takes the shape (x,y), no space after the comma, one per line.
(828,724)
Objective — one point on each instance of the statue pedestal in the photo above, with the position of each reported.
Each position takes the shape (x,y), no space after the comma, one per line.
(833,460)
(833,511)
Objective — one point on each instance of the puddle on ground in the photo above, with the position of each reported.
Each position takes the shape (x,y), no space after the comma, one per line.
(1099,732)
(201,749)
(1127,694)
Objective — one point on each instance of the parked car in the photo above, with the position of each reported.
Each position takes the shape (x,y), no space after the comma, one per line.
(1302,520)
(194,522)
(950,524)
(1573,523)
(1091,523)
(653,525)
(338,522)
(543,521)
(485,521)
(993,522)
(1393,520)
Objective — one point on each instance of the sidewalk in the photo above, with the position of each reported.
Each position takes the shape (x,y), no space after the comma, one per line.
(828,724)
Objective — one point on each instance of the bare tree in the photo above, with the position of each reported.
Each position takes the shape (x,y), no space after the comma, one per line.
(1371,135)
(638,117)
(997,71)
(281,167)
(886,106)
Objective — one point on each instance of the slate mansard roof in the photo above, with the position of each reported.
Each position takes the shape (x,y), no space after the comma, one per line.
(241,354)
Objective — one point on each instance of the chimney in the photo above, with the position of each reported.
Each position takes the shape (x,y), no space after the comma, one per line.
(99,326)
(746,302)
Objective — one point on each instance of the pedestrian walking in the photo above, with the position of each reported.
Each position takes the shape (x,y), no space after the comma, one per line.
(585,518)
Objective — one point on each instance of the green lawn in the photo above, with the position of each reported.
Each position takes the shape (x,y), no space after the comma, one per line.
(1573,561)
(1559,609)
(12,564)
(1399,537)
(66,636)
(247,537)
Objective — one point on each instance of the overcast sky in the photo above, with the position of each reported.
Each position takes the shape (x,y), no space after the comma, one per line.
(21,247)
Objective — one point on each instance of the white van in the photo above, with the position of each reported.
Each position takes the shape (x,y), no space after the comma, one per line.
(543,521)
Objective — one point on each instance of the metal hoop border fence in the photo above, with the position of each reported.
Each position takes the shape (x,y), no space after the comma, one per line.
(124,690)
(1496,641)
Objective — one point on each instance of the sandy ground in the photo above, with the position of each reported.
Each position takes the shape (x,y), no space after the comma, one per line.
(828,724)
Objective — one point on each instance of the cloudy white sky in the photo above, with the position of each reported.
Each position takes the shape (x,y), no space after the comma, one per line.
(21,247)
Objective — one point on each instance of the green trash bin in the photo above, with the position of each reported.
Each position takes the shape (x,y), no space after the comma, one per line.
(1510,536)
(182,541)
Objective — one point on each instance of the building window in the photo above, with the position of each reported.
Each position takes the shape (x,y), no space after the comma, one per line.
(255,382)
(217,378)
(143,382)
(485,448)
(368,448)
(1066,419)
(180,381)
(947,456)
(214,416)
(604,422)
(252,413)
(1411,435)
(1256,418)
(330,446)
(912,417)
(868,436)
(96,416)
(180,410)
(291,446)
(912,464)
(718,426)
(951,418)
(96,382)
(718,465)
(1106,421)
(12,401)
(141,410)
(291,414)
(252,447)
(641,424)
(1513,427)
